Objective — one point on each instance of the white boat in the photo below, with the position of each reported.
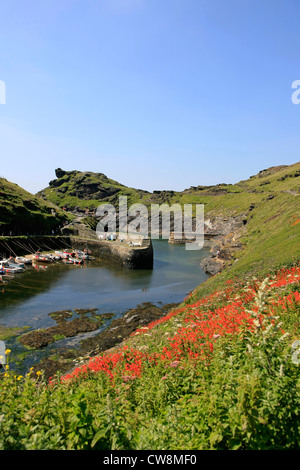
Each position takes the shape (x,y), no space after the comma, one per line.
(39,258)
(63,254)
(13,263)
(54,257)
(22,259)
(8,268)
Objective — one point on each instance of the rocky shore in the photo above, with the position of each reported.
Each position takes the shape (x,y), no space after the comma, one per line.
(65,359)
(221,236)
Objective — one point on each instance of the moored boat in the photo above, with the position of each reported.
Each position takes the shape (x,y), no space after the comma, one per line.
(22,260)
(11,261)
(39,258)
(8,268)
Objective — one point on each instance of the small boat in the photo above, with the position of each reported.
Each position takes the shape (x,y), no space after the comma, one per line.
(22,260)
(8,268)
(38,258)
(12,263)
(54,257)
(63,254)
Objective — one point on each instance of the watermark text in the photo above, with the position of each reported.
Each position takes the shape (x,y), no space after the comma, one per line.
(139,221)
(296,94)
(2,92)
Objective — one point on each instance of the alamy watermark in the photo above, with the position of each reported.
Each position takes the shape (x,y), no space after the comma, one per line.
(2,92)
(2,353)
(296,352)
(139,221)
(296,94)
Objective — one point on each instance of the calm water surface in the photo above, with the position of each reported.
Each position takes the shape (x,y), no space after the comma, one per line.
(28,299)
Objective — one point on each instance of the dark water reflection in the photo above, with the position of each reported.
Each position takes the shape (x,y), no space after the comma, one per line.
(31,296)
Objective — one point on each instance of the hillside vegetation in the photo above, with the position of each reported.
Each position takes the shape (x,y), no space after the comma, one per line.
(81,190)
(270,238)
(86,190)
(23,213)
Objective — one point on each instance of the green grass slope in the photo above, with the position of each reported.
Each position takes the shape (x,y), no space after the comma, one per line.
(23,213)
(234,199)
(271,235)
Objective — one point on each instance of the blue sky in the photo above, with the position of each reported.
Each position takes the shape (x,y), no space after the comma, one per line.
(156,94)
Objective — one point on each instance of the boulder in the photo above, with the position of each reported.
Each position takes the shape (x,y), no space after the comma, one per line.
(212,265)
(59,173)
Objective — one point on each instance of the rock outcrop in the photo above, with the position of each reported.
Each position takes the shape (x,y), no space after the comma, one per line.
(225,242)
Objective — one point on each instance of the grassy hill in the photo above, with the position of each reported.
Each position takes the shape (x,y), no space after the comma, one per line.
(86,190)
(75,189)
(24,213)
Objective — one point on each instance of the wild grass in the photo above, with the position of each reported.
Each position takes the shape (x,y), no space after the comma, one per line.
(217,373)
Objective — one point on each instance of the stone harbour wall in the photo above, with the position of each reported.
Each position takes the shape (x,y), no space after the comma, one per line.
(117,252)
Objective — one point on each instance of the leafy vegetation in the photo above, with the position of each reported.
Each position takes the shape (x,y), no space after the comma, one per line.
(218,372)
(23,213)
